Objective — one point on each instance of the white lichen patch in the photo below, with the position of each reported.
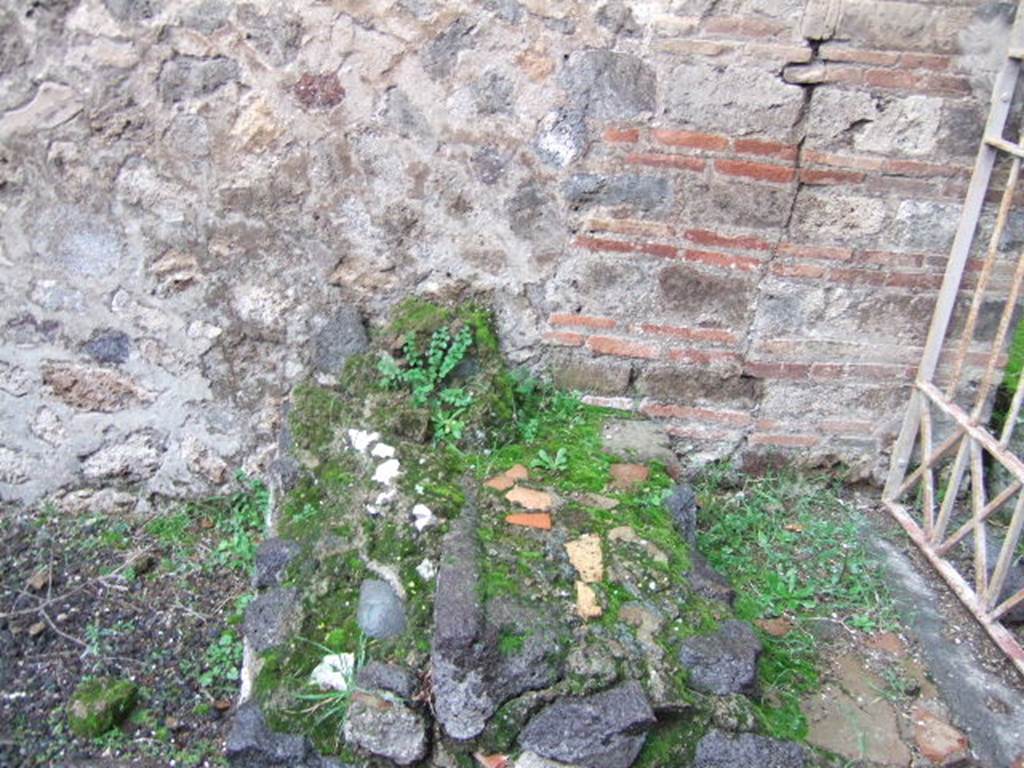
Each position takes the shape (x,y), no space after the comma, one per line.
(422,517)
(362,439)
(387,472)
(383,451)
(334,672)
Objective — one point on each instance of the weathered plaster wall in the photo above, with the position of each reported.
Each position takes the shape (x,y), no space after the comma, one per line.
(730,215)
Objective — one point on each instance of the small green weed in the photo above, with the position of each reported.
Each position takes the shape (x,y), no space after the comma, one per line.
(332,705)
(222,661)
(556,462)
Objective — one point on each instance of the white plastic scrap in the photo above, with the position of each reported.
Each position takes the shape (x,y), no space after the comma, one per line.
(383,451)
(423,517)
(361,439)
(387,471)
(334,672)
(427,570)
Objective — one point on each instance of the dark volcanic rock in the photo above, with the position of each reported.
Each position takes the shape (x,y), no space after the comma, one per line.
(640,191)
(272,558)
(386,728)
(270,617)
(606,730)
(720,750)
(381,613)
(724,661)
(708,582)
(341,337)
(682,506)
(108,346)
(387,677)
(610,85)
(251,744)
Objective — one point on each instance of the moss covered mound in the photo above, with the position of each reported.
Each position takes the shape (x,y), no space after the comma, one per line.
(100,704)
(571,576)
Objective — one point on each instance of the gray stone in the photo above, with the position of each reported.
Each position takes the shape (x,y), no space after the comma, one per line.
(404,116)
(272,558)
(489,164)
(381,613)
(207,16)
(724,661)
(135,457)
(617,17)
(193,77)
(561,137)
(108,346)
(605,730)
(609,86)
(643,192)
(276,35)
(720,750)
(532,214)
(735,99)
(708,582)
(682,506)
(132,10)
(387,677)
(270,617)
(441,53)
(341,337)
(251,744)
(493,93)
(506,10)
(385,728)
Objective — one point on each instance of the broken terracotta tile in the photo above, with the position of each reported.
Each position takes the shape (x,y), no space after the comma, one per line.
(491,761)
(500,482)
(939,741)
(517,472)
(586,602)
(538,501)
(586,557)
(540,520)
(625,476)
(775,627)
(599,501)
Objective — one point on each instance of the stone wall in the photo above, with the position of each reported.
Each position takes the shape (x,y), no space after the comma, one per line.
(728,215)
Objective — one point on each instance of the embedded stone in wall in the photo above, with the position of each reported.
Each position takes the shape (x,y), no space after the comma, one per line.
(136,457)
(561,137)
(732,99)
(608,85)
(645,193)
(319,91)
(191,77)
(441,53)
(276,35)
(90,388)
(108,346)
(14,466)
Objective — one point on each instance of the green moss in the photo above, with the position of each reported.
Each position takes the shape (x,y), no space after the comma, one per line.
(99,705)
(511,642)
(673,741)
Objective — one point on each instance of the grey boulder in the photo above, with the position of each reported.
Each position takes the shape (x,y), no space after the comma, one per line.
(272,558)
(270,617)
(251,744)
(386,728)
(605,730)
(720,750)
(725,661)
(381,613)
(387,677)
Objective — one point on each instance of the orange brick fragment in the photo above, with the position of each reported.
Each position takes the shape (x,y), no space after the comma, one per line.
(500,482)
(540,520)
(538,501)
(517,472)
(625,476)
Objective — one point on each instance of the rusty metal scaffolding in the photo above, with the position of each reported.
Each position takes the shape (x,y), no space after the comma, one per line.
(946,459)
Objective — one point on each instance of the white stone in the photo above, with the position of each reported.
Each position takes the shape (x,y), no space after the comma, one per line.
(387,472)
(334,672)
(383,451)
(423,517)
(53,105)
(362,439)
(427,570)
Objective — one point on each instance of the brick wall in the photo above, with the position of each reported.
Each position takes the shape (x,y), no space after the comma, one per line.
(775,303)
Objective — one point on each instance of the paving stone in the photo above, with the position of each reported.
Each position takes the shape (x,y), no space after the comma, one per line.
(528,498)
(386,728)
